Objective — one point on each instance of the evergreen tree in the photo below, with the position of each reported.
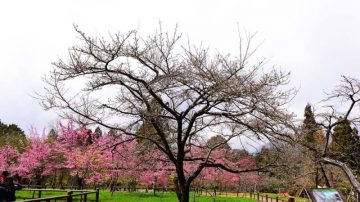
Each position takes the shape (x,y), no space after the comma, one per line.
(312,135)
(237,154)
(289,177)
(98,132)
(313,140)
(52,136)
(309,127)
(147,129)
(89,139)
(113,133)
(345,145)
(12,135)
(218,139)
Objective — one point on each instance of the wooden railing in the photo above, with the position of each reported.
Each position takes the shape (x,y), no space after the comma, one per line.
(69,197)
(266,198)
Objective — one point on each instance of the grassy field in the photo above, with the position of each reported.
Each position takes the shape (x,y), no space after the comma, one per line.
(105,196)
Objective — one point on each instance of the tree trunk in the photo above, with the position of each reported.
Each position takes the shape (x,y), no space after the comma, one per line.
(79,182)
(53,180)
(38,180)
(185,195)
(325,177)
(346,170)
(182,191)
(61,179)
(316,176)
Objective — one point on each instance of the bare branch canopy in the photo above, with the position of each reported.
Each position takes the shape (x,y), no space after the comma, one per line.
(184,93)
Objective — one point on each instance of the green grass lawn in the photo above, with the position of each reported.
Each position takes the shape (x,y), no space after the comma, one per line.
(105,196)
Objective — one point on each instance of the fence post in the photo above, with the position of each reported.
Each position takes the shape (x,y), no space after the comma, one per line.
(97,195)
(291,199)
(69,196)
(266,198)
(277,199)
(39,194)
(258,197)
(85,197)
(250,194)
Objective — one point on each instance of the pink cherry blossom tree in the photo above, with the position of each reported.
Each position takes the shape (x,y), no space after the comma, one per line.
(84,158)
(115,158)
(9,158)
(36,162)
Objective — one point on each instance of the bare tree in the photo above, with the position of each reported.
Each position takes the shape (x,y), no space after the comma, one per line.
(197,94)
(343,106)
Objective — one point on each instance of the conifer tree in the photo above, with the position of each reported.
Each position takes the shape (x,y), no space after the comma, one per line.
(11,134)
(313,139)
(52,136)
(309,127)
(98,132)
(218,141)
(345,145)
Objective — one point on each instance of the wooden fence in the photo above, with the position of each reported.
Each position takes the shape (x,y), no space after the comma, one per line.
(69,197)
(266,198)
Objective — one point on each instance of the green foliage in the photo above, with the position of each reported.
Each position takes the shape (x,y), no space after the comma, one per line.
(98,132)
(285,175)
(113,133)
(237,154)
(313,139)
(312,135)
(52,136)
(147,130)
(12,135)
(345,145)
(218,139)
(89,139)
(344,136)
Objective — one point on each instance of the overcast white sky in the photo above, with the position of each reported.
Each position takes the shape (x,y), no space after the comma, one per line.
(316,40)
